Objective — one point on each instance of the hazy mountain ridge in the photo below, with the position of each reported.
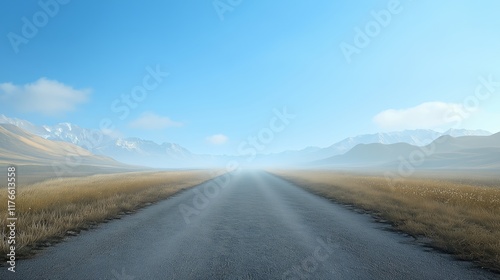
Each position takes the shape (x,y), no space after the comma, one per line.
(138,151)
(419,137)
(446,152)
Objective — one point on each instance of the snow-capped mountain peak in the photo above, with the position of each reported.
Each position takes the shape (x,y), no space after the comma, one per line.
(128,150)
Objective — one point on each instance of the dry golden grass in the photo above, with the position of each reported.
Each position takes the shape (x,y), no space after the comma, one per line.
(462,219)
(47,210)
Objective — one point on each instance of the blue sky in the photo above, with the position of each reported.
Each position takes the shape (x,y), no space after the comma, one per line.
(232,64)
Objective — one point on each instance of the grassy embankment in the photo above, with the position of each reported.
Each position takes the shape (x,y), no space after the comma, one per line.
(47,210)
(459,218)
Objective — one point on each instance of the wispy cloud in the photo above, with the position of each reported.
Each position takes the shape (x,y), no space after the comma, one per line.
(217,139)
(425,116)
(48,97)
(152,121)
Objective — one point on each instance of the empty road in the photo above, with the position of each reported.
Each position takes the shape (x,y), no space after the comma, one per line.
(256,226)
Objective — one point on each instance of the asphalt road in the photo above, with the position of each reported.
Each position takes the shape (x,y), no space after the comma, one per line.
(256,226)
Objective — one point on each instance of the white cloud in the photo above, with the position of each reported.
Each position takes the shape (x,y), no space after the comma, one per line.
(424,116)
(151,121)
(48,97)
(217,139)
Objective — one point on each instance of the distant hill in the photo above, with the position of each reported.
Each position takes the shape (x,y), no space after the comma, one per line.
(446,152)
(20,147)
(370,154)
(418,137)
(133,151)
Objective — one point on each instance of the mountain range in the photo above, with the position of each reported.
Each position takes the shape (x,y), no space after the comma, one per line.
(21,147)
(419,137)
(446,152)
(42,159)
(136,151)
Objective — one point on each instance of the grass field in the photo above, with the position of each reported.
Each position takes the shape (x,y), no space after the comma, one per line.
(47,210)
(459,218)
